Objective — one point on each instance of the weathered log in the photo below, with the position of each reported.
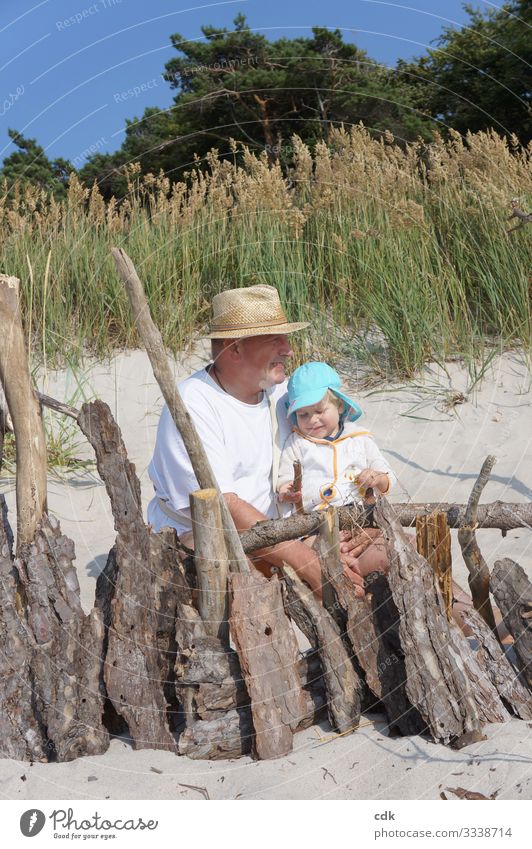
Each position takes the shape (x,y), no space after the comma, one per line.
(22,734)
(66,666)
(153,343)
(342,685)
(211,562)
(497,514)
(433,542)
(479,575)
(131,670)
(372,624)
(513,594)
(268,653)
(25,414)
(229,736)
(444,681)
(495,662)
(390,660)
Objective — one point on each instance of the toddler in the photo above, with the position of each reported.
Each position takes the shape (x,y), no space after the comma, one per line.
(339,461)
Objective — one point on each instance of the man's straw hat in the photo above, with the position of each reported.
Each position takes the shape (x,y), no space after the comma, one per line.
(255,311)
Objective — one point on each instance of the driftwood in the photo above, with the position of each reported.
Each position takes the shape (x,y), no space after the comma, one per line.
(131,668)
(51,700)
(372,627)
(497,514)
(153,343)
(268,653)
(502,674)
(479,575)
(23,736)
(211,562)
(513,594)
(25,413)
(433,542)
(298,483)
(444,682)
(222,726)
(390,660)
(342,685)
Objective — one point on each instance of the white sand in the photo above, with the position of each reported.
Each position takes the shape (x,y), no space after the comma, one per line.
(437,457)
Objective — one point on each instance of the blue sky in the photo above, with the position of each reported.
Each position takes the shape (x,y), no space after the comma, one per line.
(65,64)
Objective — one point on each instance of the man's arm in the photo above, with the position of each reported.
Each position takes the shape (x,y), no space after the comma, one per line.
(299,556)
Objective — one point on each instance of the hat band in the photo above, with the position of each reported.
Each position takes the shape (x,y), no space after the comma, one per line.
(224,327)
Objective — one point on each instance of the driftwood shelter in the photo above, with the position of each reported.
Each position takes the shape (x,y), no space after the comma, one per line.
(202,659)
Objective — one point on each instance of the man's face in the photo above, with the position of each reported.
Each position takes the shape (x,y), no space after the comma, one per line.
(264,357)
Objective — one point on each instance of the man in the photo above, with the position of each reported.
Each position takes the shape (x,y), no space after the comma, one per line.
(237,405)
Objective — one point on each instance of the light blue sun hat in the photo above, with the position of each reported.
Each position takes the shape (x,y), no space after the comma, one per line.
(309,383)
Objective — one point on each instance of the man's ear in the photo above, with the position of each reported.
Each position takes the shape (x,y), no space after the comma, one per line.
(236,348)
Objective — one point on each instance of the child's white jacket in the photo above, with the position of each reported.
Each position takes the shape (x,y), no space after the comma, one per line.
(329,467)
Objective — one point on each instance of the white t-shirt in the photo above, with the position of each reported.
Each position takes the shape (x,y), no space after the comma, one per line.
(237,438)
(328,468)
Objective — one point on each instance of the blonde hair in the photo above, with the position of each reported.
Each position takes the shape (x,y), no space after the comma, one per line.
(338,402)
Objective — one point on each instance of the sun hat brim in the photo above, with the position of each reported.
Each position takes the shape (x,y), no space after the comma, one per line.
(314,396)
(245,332)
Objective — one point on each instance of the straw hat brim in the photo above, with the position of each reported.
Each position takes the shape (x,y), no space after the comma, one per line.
(245,332)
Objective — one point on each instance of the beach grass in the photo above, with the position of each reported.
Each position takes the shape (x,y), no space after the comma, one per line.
(397,255)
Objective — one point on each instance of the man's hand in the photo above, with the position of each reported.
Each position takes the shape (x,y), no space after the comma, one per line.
(351,547)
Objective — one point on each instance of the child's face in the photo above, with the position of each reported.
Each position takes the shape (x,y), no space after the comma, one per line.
(319,420)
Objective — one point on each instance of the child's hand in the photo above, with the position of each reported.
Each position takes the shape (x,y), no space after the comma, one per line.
(370,479)
(286,493)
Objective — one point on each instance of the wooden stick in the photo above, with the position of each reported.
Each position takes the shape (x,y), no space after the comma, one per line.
(298,483)
(25,413)
(210,560)
(434,544)
(479,575)
(153,343)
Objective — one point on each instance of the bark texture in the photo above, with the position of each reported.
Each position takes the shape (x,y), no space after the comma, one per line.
(479,576)
(513,594)
(268,653)
(342,685)
(132,671)
(444,681)
(495,662)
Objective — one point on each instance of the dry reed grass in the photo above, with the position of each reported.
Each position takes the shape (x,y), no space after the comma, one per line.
(364,236)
